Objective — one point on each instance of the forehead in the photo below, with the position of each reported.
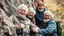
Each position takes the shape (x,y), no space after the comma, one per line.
(31,10)
(47,14)
(40,6)
(22,8)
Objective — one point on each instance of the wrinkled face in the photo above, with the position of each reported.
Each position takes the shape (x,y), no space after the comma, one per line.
(30,14)
(40,8)
(47,17)
(22,11)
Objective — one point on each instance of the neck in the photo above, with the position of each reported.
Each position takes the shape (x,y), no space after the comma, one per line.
(30,18)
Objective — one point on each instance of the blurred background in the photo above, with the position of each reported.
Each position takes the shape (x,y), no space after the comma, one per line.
(56,6)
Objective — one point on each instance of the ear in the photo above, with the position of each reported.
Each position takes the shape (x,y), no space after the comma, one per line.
(50,16)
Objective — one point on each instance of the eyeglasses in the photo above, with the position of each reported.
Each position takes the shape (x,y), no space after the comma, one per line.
(21,11)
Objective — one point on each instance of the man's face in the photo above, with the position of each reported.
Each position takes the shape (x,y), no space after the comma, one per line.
(30,14)
(47,17)
(40,8)
(22,11)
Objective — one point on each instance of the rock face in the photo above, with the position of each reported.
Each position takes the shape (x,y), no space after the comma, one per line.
(53,4)
(50,4)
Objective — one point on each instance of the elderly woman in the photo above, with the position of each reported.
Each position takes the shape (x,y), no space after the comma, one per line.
(22,22)
(31,14)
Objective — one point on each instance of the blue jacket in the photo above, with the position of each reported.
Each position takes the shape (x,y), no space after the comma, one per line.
(50,28)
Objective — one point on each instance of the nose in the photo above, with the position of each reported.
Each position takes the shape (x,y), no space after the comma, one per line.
(22,11)
(46,16)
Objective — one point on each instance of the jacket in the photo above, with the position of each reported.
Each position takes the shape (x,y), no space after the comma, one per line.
(39,17)
(51,27)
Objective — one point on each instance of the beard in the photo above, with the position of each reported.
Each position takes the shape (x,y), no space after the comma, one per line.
(40,10)
(46,20)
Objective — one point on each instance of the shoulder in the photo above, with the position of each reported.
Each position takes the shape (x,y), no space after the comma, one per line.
(52,21)
(28,20)
(12,17)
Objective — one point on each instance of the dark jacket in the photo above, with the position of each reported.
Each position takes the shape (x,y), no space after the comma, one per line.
(39,17)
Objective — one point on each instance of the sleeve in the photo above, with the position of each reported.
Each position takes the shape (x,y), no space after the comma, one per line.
(15,21)
(26,29)
(28,26)
(50,28)
(31,24)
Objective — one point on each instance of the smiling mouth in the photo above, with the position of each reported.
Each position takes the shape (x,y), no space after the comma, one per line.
(29,15)
(40,8)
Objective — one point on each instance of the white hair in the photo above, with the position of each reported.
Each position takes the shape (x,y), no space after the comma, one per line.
(32,10)
(23,5)
(50,13)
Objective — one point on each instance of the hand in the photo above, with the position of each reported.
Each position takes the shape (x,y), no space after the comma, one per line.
(22,26)
(34,29)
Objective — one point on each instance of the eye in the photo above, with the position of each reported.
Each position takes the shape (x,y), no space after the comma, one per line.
(31,13)
(46,16)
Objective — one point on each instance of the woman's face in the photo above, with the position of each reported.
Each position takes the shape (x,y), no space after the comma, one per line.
(22,11)
(30,14)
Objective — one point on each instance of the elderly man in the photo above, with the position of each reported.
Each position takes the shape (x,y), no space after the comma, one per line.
(49,25)
(48,28)
(21,22)
(40,9)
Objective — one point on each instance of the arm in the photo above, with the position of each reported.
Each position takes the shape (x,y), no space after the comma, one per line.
(51,27)
(14,21)
(28,26)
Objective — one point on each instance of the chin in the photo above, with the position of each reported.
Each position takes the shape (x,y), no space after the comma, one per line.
(30,17)
(46,20)
(41,10)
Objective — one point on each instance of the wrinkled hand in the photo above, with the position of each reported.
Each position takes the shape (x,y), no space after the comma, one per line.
(22,26)
(34,29)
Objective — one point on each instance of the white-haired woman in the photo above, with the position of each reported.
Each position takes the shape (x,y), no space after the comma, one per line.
(30,15)
(22,22)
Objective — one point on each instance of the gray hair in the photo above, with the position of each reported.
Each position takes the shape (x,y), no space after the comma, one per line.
(50,13)
(23,5)
(33,10)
